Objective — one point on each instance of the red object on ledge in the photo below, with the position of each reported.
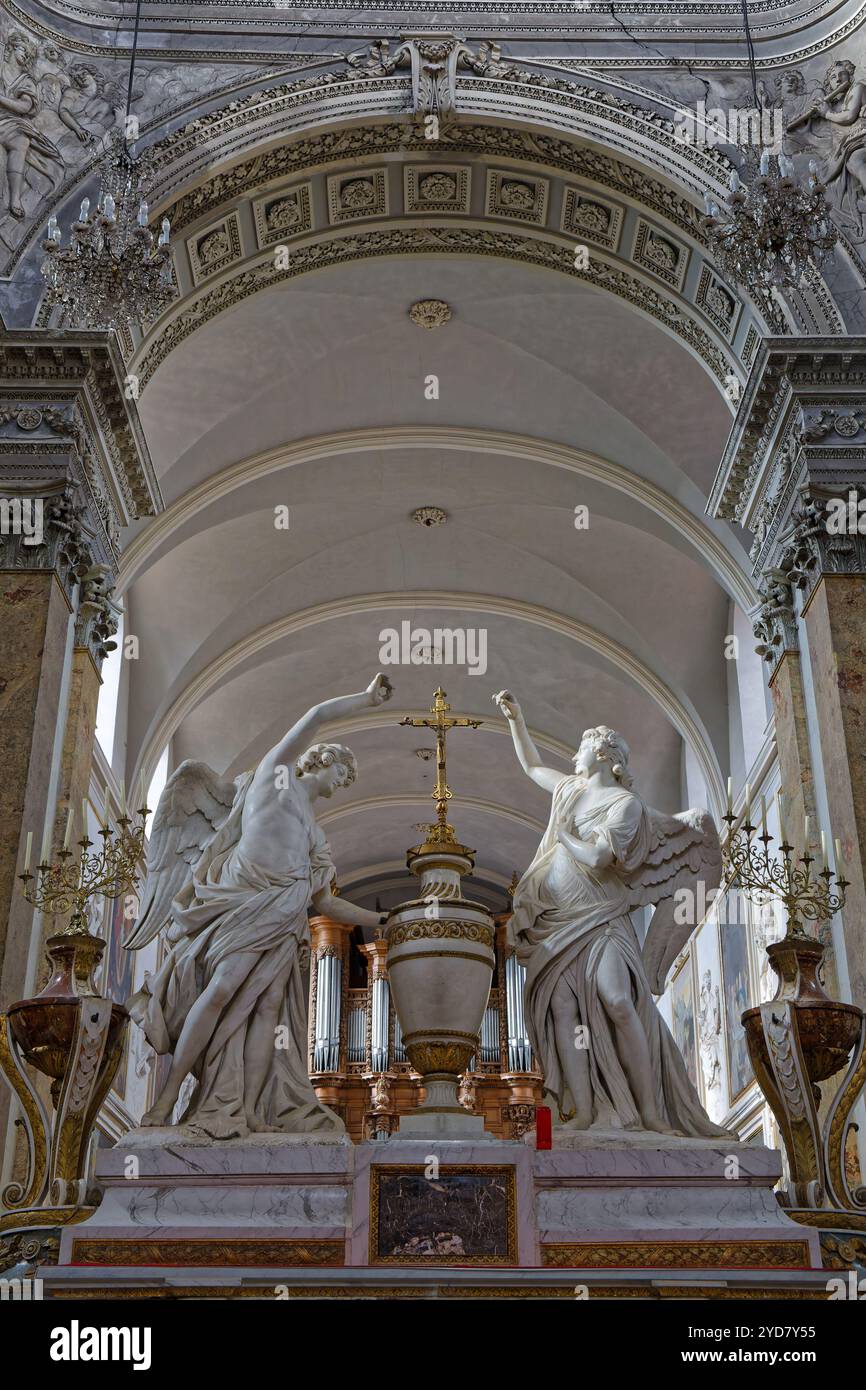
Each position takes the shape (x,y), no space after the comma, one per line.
(543,1127)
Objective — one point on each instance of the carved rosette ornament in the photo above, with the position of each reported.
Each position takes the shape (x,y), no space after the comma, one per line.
(429,516)
(430,313)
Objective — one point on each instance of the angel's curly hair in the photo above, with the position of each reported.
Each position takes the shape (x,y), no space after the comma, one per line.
(612,747)
(325,755)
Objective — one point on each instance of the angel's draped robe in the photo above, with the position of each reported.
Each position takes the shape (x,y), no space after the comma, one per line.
(233,905)
(565,915)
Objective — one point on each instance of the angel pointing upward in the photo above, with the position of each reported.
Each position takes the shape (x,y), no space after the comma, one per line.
(607,1055)
(233,867)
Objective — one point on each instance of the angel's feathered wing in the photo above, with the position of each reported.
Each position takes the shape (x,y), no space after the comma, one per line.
(685,851)
(193,806)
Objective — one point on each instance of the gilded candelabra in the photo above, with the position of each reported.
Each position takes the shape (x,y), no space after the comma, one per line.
(790,879)
(67,885)
(802,1037)
(68,1032)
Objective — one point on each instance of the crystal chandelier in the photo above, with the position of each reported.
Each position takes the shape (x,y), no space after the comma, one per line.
(772,230)
(113,271)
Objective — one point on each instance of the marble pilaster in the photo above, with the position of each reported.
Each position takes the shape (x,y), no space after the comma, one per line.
(75,464)
(797,450)
(835,621)
(792,742)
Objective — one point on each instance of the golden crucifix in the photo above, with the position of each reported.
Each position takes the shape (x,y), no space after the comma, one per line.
(441,722)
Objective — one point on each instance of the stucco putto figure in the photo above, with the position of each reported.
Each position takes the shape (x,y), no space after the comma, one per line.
(233,868)
(607,1055)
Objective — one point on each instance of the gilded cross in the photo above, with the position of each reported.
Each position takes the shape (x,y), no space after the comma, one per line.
(441,722)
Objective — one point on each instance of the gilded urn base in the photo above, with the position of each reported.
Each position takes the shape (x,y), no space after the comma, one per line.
(72,1034)
(799,1038)
(440,965)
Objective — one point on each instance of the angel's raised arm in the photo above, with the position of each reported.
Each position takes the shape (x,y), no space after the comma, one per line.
(527,753)
(303,733)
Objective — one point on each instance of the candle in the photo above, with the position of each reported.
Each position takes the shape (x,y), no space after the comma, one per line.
(780,806)
(85,819)
(28,851)
(70,819)
(142,792)
(763,815)
(839,864)
(165,231)
(823,864)
(730,797)
(765,163)
(748,814)
(84,209)
(46,844)
(806,835)
(122,798)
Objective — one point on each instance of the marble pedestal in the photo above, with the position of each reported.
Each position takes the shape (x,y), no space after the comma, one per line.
(664,1202)
(170,1199)
(286,1211)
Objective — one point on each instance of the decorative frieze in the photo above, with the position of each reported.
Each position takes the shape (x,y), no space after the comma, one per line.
(490,141)
(801,425)
(77,385)
(677,318)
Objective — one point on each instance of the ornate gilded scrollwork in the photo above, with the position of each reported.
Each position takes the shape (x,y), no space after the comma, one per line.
(798,1039)
(75,1037)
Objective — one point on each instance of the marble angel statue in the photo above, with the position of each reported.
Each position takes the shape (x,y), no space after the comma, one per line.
(233,867)
(608,1058)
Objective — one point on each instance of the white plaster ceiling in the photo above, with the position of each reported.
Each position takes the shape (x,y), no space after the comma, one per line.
(622,623)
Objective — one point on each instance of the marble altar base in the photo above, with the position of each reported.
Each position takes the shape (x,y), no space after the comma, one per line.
(296,1213)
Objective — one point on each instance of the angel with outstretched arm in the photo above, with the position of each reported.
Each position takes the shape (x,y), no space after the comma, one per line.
(233,867)
(607,1055)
